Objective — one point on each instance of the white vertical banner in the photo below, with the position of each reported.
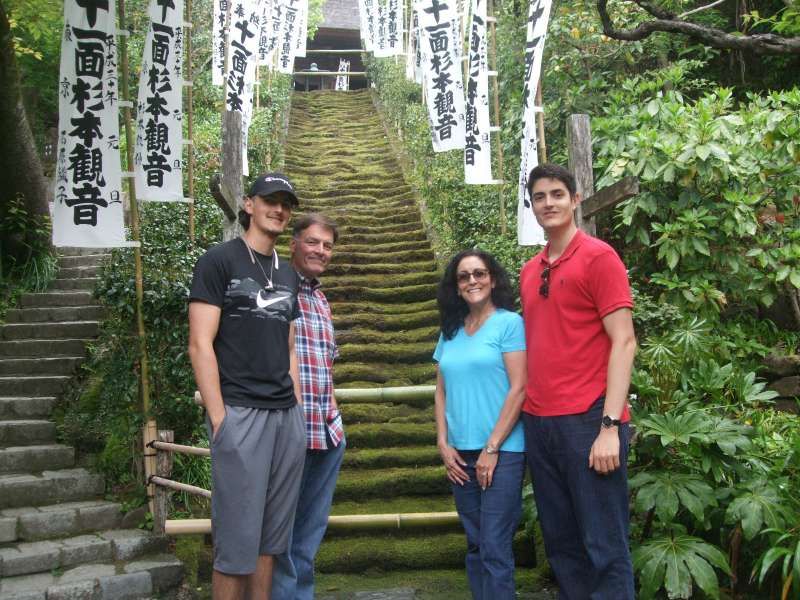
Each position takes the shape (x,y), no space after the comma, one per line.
(411,47)
(302,30)
(242,59)
(418,70)
(220,15)
(368,15)
(394,26)
(287,39)
(343,81)
(87,211)
(266,45)
(158,149)
(529,232)
(381,49)
(443,84)
(477,148)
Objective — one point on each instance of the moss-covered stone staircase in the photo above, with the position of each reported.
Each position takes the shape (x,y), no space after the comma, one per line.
(382,287)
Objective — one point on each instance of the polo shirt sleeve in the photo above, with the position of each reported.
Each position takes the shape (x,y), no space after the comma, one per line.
(209,280)
(437,353)
(513,335)
(608,283)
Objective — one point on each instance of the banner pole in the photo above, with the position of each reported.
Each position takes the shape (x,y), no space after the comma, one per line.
(542,146)
(190,117)
(496,93)
(144,371)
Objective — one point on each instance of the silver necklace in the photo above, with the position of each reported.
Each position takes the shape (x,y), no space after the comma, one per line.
(274,264)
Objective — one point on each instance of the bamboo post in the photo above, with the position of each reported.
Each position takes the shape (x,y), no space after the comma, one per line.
(579,148)
(163,469)
(144,372)
(496,93)
(541,144)
(190,118)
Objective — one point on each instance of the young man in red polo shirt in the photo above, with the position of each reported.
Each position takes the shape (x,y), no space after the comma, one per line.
(577,305)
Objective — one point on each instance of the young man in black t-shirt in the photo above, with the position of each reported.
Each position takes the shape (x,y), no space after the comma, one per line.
(241,343)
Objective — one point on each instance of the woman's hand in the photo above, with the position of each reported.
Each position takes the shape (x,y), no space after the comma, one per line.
(484,468)
(453,463)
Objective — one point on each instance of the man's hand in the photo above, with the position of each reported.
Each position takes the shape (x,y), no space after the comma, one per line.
(604,455)
(216,420)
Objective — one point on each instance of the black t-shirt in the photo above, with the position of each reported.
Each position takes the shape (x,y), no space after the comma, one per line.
(252,343)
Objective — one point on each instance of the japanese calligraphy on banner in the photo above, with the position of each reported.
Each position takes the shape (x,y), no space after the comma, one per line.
(220,15)
(343,81)
(291,22)
(302,31)
(395,17)
(381,42)
(477,147)
(242,55)
(266,41)
(368,16)
(87,211)
(529,232)
(159,137)
(442,74)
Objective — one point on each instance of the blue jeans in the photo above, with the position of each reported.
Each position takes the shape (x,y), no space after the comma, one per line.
(490,518)
(583,515)
(293,577)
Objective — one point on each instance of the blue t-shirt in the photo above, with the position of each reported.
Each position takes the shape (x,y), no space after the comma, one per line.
(476,382)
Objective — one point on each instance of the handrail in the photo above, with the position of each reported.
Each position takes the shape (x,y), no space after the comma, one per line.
(180,487)
(337,522)
(180,448)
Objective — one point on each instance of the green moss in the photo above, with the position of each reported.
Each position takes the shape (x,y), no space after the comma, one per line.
(345,307)
(383,413)
(375,435)
(372,374)
(410,293)
(375,458)
(400,353)
(195,556)
(393,552)
(406,341)
(395,504)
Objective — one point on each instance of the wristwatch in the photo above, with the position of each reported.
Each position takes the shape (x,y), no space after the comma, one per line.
(490,449)
(608,422)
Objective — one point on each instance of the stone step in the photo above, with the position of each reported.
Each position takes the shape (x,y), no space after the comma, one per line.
(24,459)
(26,432)
(57,299)
(64,365)
(50,331)
(79,272)
(74,251)
(86,283)
(146,577)
(74,262)
(55,314)
(384,483)
(25,558)
(42,385)
(49,487)
(33,523)
(25,408)
(35,348)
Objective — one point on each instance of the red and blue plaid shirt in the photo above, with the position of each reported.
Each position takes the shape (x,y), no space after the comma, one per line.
(316,349)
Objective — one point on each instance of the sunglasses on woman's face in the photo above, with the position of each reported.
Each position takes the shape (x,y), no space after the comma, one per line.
(478,274)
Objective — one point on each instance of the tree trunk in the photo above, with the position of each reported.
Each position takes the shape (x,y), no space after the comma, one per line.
(21,170)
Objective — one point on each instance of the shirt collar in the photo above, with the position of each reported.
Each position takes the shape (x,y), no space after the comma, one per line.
(571,248)
(311,282)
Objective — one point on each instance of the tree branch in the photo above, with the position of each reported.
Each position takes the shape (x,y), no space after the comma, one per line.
(760,43)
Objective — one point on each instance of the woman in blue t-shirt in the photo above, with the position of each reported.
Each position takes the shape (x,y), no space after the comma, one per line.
(480,388)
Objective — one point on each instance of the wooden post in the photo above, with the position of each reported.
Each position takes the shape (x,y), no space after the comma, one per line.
(579,147)
(163,469)
(144,371)
(190,118)
(228,189)
(498,145)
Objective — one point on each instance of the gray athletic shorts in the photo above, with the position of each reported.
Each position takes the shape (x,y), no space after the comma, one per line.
(256,467)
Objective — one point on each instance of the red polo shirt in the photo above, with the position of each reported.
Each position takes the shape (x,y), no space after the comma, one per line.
(568,347)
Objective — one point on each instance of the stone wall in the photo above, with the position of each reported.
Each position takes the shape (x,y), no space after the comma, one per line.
(340,14)
(783,371)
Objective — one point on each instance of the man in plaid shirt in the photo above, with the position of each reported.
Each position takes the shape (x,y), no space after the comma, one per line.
(313,237)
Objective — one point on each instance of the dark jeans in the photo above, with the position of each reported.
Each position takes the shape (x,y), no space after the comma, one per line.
(583,515)
(490,518)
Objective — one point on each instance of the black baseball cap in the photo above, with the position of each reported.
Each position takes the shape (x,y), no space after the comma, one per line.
(269,183)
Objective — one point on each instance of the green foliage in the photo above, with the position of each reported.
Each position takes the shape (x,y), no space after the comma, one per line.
(717,221)
(27,263)
(675,562)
